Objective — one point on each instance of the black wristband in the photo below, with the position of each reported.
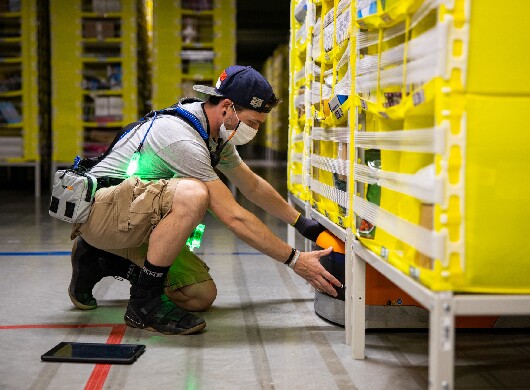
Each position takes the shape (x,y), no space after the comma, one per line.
(290,257)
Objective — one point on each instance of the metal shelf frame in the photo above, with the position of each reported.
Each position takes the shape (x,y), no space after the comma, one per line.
(294,200)
(345,235)
(329,225)
(443,306)
(291,232)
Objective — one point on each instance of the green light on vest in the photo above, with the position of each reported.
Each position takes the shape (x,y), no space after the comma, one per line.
(194,240)
(133,164)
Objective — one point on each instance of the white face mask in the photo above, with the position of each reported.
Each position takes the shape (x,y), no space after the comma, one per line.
(242,134)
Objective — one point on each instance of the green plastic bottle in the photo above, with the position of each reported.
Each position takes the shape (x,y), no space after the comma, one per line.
(194,240)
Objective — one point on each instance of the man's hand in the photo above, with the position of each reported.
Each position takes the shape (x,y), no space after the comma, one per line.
(309,228)
(308,267)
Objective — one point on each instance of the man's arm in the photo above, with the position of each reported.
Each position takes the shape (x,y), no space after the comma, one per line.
(255,233)
(261,193)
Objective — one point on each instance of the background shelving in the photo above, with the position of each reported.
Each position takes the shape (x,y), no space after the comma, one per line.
(273,138)
(193,41)
(100,74)
(23,124)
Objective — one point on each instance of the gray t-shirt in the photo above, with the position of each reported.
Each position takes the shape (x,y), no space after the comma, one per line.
(172,148)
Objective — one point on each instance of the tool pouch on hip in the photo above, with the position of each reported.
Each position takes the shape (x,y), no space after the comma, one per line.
(72,195)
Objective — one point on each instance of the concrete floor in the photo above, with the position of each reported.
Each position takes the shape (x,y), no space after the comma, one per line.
(262,332)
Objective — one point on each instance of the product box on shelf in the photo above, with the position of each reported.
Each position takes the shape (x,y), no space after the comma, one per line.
(100,29)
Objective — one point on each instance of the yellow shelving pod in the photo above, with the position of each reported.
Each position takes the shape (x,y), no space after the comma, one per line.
(19,87)
(274,136)
(440,123)
(330,102)
(441,97)
(100,75)
(224,35)
(300,116)
(166,52)
(192,42)
(428,99)
(320,85)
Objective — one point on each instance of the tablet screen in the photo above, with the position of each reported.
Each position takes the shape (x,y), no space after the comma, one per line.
(94,352)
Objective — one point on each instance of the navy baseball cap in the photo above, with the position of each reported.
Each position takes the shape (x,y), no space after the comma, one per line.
(244,86)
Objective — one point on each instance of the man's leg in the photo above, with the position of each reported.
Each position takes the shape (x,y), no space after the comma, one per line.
(89,266)
(190,203)
(195,297)
(189,284)
(149,307)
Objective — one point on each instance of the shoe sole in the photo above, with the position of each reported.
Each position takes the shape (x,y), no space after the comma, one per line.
(78,304)
(193,330)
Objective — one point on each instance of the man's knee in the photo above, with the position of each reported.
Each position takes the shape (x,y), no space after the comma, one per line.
(192,191)
(195,297)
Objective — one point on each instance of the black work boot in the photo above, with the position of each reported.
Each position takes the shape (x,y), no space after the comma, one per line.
(89,266)
(151,309)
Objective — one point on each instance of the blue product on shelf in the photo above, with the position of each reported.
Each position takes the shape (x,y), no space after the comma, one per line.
(335,105)
(300,11)
(9,113)
(114,76)
(371,9)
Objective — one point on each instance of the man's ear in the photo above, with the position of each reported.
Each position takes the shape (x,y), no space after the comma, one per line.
(226,104)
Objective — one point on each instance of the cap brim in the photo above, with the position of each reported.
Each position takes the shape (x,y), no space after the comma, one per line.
(207,90)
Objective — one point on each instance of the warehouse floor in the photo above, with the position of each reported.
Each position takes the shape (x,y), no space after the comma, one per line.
(262,332)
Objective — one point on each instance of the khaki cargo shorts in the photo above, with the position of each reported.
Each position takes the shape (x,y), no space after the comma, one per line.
(121,221)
